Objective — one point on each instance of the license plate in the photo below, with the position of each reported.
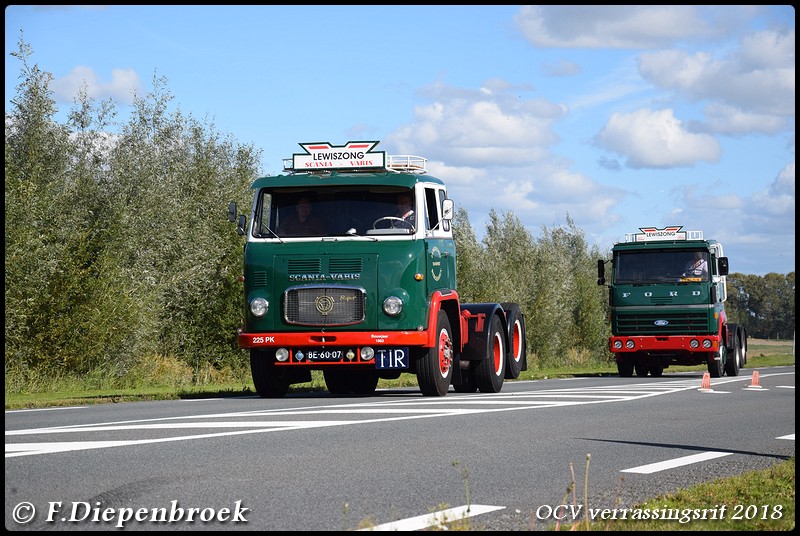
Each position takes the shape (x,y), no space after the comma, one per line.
(321,355)
(392,358)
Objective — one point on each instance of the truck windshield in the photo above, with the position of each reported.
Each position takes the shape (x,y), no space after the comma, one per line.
(333,211)
(646,267)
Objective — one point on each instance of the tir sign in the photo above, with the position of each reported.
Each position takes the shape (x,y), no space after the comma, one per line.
(391,358)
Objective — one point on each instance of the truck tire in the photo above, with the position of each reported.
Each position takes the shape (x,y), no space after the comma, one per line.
(656,370)
(716,367)
(490,372)
(641,367)
(435,367)
(517,344)
(624,366)
(734,362)
(270,381)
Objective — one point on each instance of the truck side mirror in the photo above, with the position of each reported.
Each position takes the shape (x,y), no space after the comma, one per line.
(601,272)
(242,223)
(722,265)
(447,209)
(232,212)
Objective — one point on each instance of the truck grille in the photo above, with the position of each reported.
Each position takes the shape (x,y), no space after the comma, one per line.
(644,323)
(324,305)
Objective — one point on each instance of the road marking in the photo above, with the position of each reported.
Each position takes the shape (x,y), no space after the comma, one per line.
(790,436)
(677,462)
(362,412)
(436,519)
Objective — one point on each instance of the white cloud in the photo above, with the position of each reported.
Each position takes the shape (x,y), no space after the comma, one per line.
(125,83)
(758,78)
(623,26)
(777,201)
(493,149)
(732,121)
(656,139)
(756,230)
(483,127)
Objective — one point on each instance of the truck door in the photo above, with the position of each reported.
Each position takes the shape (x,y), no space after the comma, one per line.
(439,244)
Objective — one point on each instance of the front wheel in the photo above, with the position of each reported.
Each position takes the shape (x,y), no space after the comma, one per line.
(625,366)
(716,367)
(270,381)
(435,367)
(490,372)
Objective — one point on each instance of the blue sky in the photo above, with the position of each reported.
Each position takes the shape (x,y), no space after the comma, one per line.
(618,117)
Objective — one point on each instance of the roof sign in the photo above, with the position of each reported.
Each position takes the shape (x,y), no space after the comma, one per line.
(352,155)
(672,232)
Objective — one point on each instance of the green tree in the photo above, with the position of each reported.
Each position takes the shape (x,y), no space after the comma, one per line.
(764,305)
(36,160)
(118,246)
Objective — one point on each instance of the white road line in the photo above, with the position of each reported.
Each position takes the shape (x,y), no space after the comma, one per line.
(436,519)
(383,411)
(677,462)
(790,436)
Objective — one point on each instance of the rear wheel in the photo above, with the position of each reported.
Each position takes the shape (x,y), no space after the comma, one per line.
(517,346)
(270,381)
(641,368)
(490,372)
(435,367)
(656,370)
(734,361)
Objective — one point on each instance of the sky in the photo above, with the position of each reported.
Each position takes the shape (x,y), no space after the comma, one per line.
(613,117)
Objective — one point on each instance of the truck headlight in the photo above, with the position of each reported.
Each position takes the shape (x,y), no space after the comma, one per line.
(259,307)
(367,353)
(392,306)
(282,354)
(629,344)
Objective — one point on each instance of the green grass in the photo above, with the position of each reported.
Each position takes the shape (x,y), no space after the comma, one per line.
(753,501)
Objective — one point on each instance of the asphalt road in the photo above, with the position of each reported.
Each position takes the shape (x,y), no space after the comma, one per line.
(516,460)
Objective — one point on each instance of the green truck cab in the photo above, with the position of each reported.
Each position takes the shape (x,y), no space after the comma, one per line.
(350,268)
(667,291)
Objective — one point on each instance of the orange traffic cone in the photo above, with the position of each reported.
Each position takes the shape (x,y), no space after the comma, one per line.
(705,384)
(754,383)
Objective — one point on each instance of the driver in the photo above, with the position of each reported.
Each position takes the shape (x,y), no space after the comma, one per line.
(405,208)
